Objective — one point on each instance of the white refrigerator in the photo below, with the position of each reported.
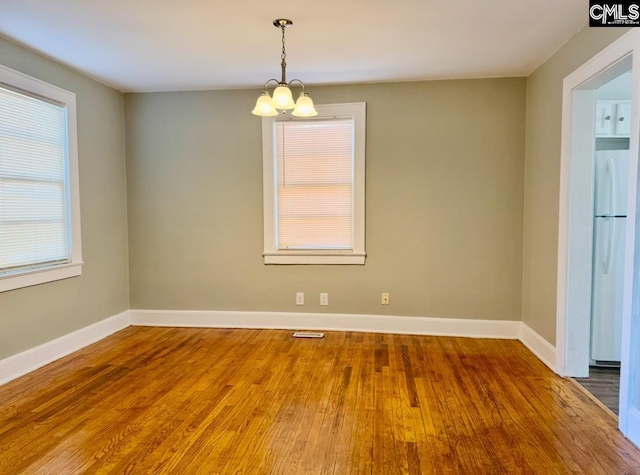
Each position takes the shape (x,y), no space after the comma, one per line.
(608,254)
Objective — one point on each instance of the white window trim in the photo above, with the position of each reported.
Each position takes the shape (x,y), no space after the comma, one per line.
(273,255)
(41,275)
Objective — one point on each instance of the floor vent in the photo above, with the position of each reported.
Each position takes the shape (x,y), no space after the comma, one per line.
(308,335)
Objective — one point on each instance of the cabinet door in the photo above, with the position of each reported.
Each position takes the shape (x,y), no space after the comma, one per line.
(623,118)
(604,118)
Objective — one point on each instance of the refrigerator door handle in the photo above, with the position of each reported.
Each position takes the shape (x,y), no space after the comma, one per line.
(606,267)
(611,171)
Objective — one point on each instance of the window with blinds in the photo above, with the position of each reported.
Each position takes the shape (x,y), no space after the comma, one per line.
(39,191)
(34,203)
(313,186)
(314,170)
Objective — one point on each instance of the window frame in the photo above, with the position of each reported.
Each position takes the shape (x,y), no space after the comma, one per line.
(273,255)
(14,80)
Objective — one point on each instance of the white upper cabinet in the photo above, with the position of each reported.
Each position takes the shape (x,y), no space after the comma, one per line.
(613,118)
(604,117)
(623,119)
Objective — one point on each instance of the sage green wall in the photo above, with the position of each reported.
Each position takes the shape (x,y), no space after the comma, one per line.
(444,197)
(542,175)
(447,185)
(35,315)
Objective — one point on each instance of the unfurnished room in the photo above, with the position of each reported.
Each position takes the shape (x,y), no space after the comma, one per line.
(319,237)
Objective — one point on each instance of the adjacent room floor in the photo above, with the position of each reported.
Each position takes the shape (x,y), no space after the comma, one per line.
(604,385)
(243,401)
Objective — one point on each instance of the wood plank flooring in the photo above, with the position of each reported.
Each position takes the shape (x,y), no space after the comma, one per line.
(604,384)
(188,401)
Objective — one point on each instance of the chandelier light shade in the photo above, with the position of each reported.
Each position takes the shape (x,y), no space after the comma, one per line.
(264,107)
(282,98)
(304,106)
(267,106)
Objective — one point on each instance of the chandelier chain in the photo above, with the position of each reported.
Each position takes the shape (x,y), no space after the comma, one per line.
(283,56)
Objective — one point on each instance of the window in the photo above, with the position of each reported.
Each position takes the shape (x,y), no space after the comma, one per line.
(39,205)
(314,186)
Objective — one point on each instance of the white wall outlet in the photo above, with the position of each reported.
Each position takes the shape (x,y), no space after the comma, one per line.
(300,298)
(385,298)
(324,298)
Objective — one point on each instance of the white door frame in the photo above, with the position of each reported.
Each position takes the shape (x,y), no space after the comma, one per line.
(575,240)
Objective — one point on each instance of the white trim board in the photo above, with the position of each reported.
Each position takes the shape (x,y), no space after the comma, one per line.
(502,329)
(34,358)
(18,365)
(505,329)
(540,347)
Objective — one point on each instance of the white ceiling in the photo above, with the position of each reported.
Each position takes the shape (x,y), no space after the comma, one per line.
(160,45)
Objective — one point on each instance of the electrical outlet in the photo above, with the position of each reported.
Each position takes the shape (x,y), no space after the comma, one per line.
(385,298)
(324,298)
(300,298)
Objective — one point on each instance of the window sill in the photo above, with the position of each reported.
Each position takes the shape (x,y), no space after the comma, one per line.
(39,276)
(301,258)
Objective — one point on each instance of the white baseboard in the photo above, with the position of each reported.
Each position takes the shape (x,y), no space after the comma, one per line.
(540,347)
(34,358)
(329,321)
(18,365)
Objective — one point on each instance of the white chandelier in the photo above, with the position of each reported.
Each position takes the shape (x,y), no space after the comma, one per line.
(266,106)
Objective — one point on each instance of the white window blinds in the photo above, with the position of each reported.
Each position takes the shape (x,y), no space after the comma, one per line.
(34,217)
(315,180)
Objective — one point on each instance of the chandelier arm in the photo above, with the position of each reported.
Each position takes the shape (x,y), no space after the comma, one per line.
(267,83)
(298,81)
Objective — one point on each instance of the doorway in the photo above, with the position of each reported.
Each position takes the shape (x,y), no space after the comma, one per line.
(609,158)
(597,262)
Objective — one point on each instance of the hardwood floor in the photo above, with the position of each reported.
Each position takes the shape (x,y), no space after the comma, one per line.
(604,384)
(186,401)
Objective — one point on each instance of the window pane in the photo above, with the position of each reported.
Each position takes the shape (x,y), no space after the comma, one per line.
(314,169)
(46,244)
(33,184)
